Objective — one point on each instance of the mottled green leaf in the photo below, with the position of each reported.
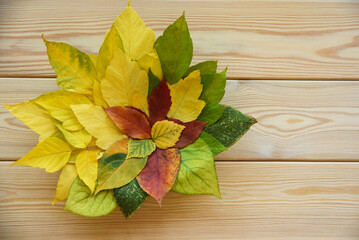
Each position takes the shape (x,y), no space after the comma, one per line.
(211,114)
(80,201)
(230,127)
(140,148)
(197,174)
(175,50)
(113,172)
(130,197)
(206,67)
(213,144)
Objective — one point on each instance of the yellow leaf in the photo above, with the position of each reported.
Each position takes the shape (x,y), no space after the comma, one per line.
(98,124)
(35,117)
(111,44)
(58,105)
(78,139)
(73,156)
(51,154)
(184,95)
(93,58)
(74,69)
(67,176)
(97,95)
(86,165)
(166,133)
(151,61)
(123,78)
(136,38)
(139,101)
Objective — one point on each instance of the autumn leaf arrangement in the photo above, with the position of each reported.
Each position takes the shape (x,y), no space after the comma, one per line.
(134,120)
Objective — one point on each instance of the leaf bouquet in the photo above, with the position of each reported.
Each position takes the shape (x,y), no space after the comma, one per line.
(134,120)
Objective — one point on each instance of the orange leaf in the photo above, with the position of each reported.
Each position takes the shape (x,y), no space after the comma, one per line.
(160,172)
(118,147)
(130,122)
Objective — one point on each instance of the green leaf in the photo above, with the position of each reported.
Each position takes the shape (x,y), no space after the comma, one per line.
(175,50)
(80,201)
(140,148)
(230,127)
(213,87)
(153,82)
(206,67)
(197,174)
(114,172)
(74,69)
(211,114)
(130,198)
(215,146)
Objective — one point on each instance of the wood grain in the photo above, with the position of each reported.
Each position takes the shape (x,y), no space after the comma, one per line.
(275,39)
(297,120)
(260,201)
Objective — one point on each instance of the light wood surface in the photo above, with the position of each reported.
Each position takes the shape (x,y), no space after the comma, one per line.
(293,65)
(260,201)
(297,120)
(274,39)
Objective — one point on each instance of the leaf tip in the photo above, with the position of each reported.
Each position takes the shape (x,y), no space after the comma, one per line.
(254,121)
(43,38)
(12,164)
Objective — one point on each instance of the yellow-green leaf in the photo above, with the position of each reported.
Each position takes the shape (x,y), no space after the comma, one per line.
(123,77)
(185,103)
(58,105)
(140,148)
(51,154)
(136,38)
(86,165)
(139,101)
(35,117)
(114,172)
(74,69)
(78,139)
(67,176)
(82,202)
(151,61)
(166,133)
(98,124)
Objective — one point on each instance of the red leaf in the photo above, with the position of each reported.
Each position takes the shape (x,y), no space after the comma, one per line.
(130,122)
(159,103)
(160,172)
(190,133)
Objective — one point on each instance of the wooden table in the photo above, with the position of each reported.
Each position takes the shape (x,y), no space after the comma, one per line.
(293,65)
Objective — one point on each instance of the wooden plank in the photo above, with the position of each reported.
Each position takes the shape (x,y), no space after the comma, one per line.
(306,120)
(260,201)
(275,39)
